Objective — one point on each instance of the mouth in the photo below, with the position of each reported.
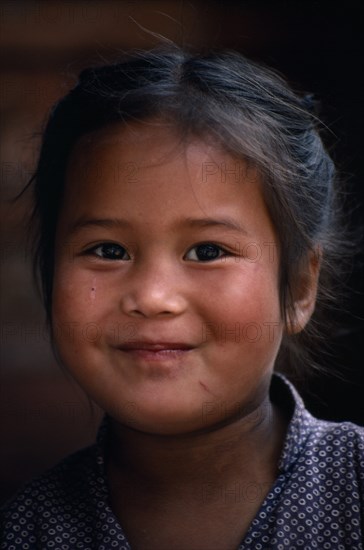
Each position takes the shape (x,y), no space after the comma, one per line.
(156,351)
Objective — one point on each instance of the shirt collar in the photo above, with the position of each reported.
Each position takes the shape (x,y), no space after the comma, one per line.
(285,395)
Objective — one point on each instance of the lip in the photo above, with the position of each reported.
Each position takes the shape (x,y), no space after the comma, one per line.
(155,346)
(156,352)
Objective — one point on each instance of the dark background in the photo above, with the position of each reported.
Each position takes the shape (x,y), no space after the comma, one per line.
(317,45)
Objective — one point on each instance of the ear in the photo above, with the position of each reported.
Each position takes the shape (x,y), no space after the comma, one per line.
(305,293)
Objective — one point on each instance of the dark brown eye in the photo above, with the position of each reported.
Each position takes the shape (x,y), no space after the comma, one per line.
(111,251)
(205,252)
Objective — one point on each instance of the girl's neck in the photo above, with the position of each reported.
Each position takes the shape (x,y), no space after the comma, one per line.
(246,449)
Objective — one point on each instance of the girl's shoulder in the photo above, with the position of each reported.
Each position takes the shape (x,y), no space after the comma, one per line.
(63,493)
(67,507)
(310,439)
(337,442)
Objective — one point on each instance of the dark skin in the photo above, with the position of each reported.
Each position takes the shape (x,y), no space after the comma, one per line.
(209,490)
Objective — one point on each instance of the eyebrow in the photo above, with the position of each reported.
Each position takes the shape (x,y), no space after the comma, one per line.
(105,223)
(119,223)
(225,222)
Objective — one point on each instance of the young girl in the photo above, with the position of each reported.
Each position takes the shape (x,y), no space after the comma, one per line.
(186,210)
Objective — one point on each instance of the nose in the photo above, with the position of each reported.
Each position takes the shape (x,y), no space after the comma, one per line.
(153,289)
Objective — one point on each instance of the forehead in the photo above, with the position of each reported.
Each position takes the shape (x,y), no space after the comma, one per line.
(148,167)
(155,144)
(147,144)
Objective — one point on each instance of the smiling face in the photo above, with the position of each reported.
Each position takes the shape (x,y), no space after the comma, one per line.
(165,302)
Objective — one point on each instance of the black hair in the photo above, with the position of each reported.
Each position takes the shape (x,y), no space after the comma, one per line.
(250,111)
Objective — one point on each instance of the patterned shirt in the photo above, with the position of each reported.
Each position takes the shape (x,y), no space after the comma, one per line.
(317,500)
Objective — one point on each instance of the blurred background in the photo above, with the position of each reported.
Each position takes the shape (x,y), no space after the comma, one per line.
(44,45)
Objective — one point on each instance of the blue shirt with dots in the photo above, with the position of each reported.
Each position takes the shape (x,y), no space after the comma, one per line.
(317,500)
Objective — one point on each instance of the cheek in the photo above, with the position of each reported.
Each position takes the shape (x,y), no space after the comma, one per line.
(250,292)
(78,297)
(243,310)
(80,308)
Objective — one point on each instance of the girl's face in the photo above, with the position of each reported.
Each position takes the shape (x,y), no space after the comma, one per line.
(165,305)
